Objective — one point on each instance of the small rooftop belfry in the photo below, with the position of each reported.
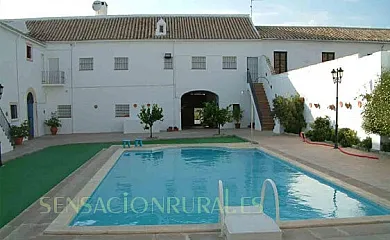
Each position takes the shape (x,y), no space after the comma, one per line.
(161,28)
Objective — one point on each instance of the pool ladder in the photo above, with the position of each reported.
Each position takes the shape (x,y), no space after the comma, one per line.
(276,195)
(248,209)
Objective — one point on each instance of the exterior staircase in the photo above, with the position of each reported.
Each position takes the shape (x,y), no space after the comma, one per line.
(5,135)
(267,121)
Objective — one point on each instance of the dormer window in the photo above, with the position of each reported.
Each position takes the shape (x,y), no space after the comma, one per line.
(161,29)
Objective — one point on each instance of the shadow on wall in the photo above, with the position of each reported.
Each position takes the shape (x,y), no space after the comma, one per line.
(315,84)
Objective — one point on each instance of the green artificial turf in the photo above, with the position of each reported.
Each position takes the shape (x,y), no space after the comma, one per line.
(26,179)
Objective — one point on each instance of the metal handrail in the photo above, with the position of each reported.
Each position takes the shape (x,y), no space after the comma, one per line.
(268,61)
(53,77)
(276,197)
(222,209)
(256,100)
(5,124)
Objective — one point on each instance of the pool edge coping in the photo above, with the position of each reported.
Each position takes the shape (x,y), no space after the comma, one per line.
(60,225)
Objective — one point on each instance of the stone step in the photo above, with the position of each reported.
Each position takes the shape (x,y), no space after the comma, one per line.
(251,226)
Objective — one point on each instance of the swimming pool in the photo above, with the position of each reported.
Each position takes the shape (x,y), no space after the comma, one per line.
(180,186)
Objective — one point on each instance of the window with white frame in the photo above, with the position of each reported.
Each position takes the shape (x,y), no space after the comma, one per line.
(86,64)
(229,62)
(122,110)
(64,111)
(198,62)
(121,63)
(168,62)
(14,111)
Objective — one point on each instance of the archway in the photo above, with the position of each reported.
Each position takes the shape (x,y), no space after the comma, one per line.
(30,113)
(191,103)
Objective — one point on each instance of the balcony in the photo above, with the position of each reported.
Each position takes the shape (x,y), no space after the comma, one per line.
(53,78)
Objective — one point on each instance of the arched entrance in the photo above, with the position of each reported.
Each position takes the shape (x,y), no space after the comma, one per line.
(30,113)
(191,103)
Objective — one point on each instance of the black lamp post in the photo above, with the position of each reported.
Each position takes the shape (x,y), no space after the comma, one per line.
(1,94)
(337,76)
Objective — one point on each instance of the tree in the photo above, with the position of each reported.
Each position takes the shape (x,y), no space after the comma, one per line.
(290,112)
(213,116)
(149,116)
(376,112)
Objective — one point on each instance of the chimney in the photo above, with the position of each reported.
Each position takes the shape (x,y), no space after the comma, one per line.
(100,8)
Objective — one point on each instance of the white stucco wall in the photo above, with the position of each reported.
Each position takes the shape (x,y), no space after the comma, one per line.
(315,84)
(305,53)
(146,81)
(20,76)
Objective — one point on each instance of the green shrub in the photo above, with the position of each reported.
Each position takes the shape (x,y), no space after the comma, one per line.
(321,129)
(348,137)
(366,143)
(309,134)
(386,147)
(333,136)
(289,111)
(376,113)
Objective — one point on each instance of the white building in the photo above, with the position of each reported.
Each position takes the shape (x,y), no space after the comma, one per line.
(96,72)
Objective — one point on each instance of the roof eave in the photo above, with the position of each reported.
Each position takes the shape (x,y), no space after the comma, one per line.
(16,31)
(325,40)
(153,40)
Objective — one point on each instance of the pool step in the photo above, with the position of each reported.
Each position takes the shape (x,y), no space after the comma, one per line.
(250,223)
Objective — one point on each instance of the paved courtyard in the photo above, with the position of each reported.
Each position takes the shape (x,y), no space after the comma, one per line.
(370,175)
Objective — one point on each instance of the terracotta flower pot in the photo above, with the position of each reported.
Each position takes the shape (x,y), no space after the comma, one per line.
(53,130)
(18,141)
(176,129)
(237,125)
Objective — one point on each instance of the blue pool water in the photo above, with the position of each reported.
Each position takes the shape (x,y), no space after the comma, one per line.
(180,186)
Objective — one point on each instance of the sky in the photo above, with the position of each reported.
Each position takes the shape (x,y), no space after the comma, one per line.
(353,13)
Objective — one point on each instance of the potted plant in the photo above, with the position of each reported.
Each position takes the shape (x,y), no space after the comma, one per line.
(54,123)
(170,129)
(175,129)
(18,133)
(237,116)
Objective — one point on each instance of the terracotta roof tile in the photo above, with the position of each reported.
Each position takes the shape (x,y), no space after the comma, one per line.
(142,27)
(324,33)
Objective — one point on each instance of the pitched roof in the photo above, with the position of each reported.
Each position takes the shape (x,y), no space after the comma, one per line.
(142,27)
(324,33)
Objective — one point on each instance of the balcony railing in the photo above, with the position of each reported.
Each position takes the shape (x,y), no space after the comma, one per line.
(53,77)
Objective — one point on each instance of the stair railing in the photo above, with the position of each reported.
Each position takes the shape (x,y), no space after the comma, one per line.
(276,195)
(5,124)
(251,83)
(269,64)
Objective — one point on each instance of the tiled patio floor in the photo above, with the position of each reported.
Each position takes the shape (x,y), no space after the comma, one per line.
(370,175)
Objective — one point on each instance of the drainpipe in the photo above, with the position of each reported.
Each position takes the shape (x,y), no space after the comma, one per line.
(17,70)
(174,83)
(71,83)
